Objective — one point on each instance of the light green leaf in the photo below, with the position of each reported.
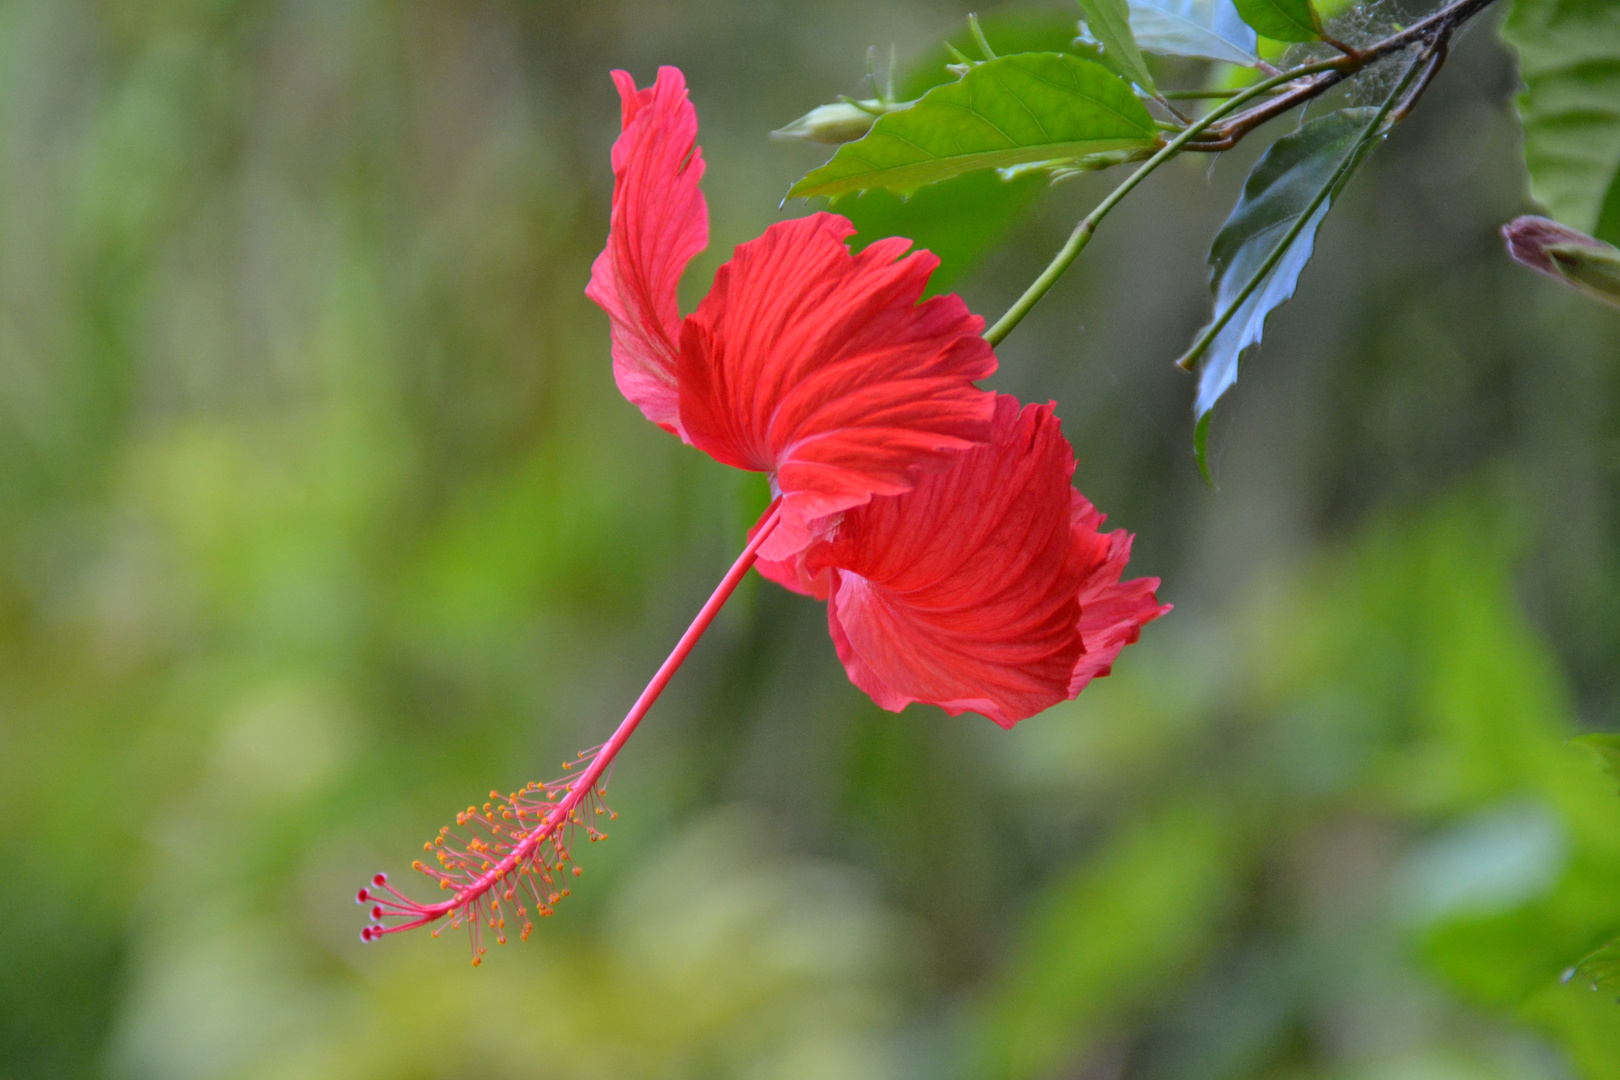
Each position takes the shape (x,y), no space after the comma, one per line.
(1282,20)
(1208,28)
(1110,23)
(1010,111)
(1569,60)
(958,220)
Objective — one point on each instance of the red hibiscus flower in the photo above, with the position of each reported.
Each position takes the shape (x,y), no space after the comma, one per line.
(959,565)
(988,588)
(805,362)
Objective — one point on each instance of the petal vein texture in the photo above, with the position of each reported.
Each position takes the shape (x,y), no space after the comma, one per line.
(987,588)
(659,222)
(821,368)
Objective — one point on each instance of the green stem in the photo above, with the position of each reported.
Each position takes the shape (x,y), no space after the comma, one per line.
(1340,174)
(1088,225)
(1199,95)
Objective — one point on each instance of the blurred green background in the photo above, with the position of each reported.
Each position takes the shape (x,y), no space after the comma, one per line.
(320,516)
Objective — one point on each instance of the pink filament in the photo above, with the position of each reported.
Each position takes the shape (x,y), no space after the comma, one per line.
(516,860)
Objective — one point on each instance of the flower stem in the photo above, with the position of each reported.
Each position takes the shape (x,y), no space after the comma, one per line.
(1088,225)
(683,648)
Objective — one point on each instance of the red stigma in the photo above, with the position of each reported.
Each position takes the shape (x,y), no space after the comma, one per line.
(502,861)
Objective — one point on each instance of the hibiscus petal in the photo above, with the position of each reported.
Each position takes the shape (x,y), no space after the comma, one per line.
(792,573)
(1112,612)
(970,592)
(659,222)
(821,368)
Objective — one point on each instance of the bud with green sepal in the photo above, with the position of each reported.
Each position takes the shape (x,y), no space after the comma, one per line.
(1566,255)
(841,122)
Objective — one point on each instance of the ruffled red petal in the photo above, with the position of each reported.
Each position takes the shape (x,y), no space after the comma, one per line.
(971,592)
(821,368)
(1112,612)
(659,222)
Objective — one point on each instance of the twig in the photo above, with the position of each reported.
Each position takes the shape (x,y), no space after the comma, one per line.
(1205,134)
(1081,235)
(1436,27)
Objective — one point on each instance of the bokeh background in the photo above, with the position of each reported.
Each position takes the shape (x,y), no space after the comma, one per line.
(320,516)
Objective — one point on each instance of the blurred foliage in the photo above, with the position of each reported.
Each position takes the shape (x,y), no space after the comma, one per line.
(320,516)
(1569,58)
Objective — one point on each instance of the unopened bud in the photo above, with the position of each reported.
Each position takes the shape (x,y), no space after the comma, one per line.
(1566,255)
(840,122)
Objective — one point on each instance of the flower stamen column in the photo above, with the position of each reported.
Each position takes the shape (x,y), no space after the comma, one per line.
(507,856)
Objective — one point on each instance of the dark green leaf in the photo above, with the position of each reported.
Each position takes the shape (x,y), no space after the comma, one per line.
(958,220)
(1608,224)
(1110,23)
(1279,190)
(1282,20)
(1569,60)
(1015,110)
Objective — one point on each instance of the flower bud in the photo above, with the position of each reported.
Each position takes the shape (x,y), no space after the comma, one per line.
(840,122)
(1566,255)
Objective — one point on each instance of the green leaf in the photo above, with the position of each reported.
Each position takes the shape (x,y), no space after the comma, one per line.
(1569,60)
(960,220)
(1608,224)
(1010,29)
(1211,29)
(1011,111)
(1110,22)
(1279,191)
(1282,20)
